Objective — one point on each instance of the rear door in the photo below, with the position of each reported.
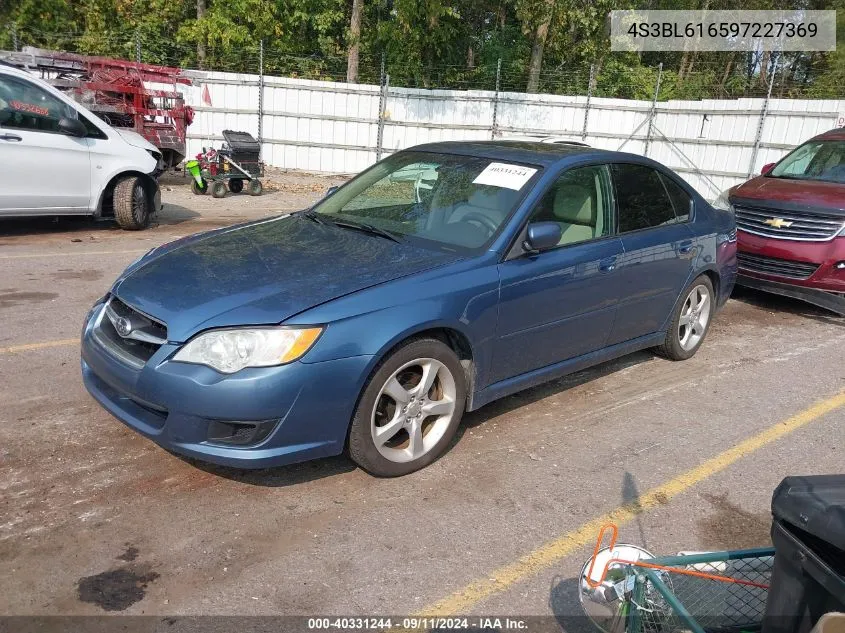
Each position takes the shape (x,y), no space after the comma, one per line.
(659,248)
(561,303)
(43,170)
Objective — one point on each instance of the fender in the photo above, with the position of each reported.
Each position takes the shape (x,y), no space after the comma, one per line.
(150,184)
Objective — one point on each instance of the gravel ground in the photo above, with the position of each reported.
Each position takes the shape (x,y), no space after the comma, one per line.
(95,519)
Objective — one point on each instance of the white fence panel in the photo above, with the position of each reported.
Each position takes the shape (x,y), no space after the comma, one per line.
(334,127)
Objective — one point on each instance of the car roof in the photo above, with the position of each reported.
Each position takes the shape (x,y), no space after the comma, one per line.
(831,135)
(530,152)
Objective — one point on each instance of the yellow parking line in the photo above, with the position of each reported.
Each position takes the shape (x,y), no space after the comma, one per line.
(462,600)
(69,253)
(14,349)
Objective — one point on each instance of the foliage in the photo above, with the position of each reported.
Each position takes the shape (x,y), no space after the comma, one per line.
(425,43)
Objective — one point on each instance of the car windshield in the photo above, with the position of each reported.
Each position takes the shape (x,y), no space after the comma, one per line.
(446,200)
(816,160)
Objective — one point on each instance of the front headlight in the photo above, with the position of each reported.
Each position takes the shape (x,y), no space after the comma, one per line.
(723,202)
(229,351)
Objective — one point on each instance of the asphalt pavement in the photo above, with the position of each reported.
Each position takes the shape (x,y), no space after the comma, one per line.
(96,519)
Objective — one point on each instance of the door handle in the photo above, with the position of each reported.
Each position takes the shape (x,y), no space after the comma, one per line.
(685,247)
(10,137)
(608,264)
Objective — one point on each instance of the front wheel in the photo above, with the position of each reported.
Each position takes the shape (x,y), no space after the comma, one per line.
(218,189)
(132,206)
(409,410)
(690,321)
(199,189)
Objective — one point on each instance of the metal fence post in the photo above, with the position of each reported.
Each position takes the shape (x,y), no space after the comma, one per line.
(260,94)
(382,102)
(494,130)
(137,47)
(589,98)
(763,114)
(653,110)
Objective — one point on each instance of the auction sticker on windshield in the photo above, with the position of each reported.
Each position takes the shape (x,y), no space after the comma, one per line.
(504,175)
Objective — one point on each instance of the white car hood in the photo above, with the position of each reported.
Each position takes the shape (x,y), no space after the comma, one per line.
(135,139)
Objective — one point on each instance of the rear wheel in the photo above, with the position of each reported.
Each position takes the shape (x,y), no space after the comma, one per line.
(690,321)
(132,205)
(236,185)
(410,409)
(218,189)
(255,187)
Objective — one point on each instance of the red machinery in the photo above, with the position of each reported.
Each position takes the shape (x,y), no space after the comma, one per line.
(124,94)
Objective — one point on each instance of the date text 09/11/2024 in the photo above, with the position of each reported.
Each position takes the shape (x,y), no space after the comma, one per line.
(413,623)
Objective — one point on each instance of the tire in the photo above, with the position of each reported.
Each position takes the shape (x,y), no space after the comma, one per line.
(197,190)
(218,189)
(236,185)
(698,302)
(255,187)
(132,206)
(410,438)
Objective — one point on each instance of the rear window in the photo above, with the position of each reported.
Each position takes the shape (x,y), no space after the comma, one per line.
(641,198)
(681,200)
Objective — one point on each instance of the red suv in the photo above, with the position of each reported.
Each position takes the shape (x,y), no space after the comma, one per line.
(790,224)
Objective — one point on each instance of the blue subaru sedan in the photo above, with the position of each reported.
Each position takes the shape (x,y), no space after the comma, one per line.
(441,278)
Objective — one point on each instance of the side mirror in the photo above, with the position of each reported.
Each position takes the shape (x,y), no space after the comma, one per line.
(72,127)
(767,168)
(330,191)
(541,236)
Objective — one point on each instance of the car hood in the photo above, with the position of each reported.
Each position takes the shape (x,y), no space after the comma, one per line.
(263,273)
(135,139)
(792,195)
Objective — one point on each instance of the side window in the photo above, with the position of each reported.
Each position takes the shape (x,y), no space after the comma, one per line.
(580,203)
(680,198)
(93,130)
(25,106)
(641,198)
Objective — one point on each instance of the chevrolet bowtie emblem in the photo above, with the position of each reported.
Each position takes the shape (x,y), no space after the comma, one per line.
(778,223)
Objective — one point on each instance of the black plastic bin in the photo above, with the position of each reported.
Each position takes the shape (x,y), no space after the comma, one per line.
(808,532)
(242,145)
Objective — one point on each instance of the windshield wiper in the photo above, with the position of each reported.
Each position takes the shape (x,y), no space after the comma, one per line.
(367,228)
(313,216)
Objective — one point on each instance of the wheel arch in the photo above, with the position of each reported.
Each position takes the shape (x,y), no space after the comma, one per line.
(457,340)
(452,336)
(104,204)
(712,273)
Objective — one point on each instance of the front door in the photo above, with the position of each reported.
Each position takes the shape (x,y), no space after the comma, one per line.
(43,170)
(561,303)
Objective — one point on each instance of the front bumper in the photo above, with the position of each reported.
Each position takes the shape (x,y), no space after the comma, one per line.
(824,287)
(829,300)
(309,405)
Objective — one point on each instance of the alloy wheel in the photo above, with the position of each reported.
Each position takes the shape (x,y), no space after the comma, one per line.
(413,410)
(695,315)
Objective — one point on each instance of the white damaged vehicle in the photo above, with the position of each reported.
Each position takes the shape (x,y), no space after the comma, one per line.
(60,159)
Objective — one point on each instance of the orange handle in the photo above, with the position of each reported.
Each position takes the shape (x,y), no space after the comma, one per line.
(614,532)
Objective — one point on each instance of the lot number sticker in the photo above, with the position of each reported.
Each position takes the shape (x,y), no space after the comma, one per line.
(505,175)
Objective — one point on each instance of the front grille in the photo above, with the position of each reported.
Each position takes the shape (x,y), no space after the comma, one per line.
(791,225)
(145,337)
(774,266)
